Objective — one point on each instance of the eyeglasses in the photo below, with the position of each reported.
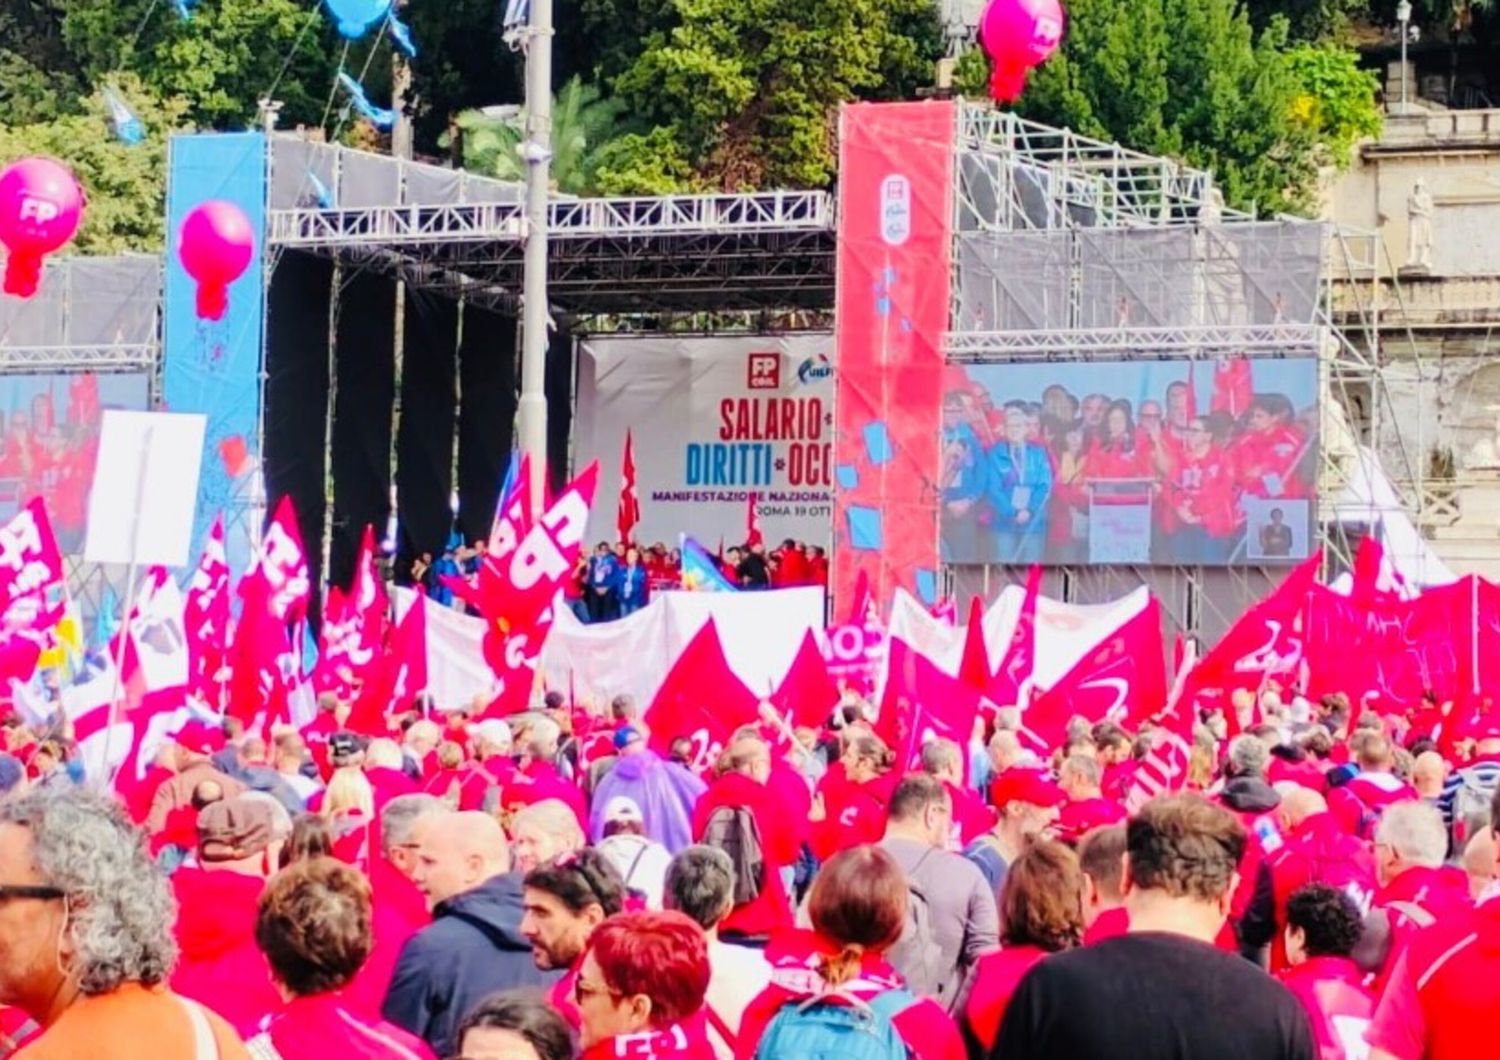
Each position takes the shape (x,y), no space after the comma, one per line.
(27,890)
(582,990)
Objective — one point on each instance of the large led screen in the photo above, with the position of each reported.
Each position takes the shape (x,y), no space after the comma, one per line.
(1177,462)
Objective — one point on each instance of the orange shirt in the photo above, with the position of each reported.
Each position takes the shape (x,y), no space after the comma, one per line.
(137,1022)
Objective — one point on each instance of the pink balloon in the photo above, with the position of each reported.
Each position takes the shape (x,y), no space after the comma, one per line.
(41,206)
(1019,35)
(215,246)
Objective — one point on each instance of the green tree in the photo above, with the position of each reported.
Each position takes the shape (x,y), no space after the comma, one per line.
(746,91)
(1336,99)
(126,185)
(1191,79)
(1308,20)
(583,122)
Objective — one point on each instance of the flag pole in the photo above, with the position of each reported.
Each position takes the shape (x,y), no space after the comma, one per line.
(1474,634)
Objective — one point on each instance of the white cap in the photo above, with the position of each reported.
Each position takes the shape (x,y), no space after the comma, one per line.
(622,808)
(492,731)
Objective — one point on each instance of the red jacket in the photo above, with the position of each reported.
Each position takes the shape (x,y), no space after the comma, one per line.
(540,781)
(1339,1006)
(1414,900)
(1365,795)
(1204,486)
(398,912)
(996,977)
(1266,462)
(855,812)
(221,966)
(309,1028)
(770,911)
(687,1040)
(1077,819)
(928,1031)
(1112,923)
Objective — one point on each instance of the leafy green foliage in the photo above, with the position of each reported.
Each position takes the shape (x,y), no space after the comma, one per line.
(1308,20)
(126,186)
(583,123)
(1336,99)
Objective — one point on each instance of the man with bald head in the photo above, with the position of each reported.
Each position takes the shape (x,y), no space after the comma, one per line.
(474,944)
(1315,849)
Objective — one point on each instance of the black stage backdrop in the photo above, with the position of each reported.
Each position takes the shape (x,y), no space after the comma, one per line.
(363,406)
(559,390)
(424,439)
(296,396)
(486,416)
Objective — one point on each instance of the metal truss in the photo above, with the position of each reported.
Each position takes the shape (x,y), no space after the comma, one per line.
(113,357)
(978,347)
(1111,184)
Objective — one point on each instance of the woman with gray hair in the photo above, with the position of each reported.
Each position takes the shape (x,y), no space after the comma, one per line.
(86,936)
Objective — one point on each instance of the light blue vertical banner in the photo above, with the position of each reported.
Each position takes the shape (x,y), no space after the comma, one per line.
(214,367)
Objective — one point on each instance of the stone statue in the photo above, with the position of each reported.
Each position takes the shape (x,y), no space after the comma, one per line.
(1419,226)
(1484,455)
(1212,210)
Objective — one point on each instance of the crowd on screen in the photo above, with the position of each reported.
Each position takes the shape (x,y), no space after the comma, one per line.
(1019,478)
(565,883)
(618,579)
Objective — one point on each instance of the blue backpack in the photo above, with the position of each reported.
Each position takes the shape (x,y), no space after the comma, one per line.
(837,1026)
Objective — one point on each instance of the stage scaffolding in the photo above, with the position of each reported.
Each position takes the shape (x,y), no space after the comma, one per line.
(1071,249)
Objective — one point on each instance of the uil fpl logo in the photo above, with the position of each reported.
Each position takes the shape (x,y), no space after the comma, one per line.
(813,369)
(895,210)
(38,211)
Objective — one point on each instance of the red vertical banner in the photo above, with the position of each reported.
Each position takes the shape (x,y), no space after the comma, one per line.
(894,252)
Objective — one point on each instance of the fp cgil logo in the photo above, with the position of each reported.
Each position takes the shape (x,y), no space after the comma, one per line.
(895,210)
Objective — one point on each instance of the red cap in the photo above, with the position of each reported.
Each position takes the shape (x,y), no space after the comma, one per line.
(199,738)
(1026,785)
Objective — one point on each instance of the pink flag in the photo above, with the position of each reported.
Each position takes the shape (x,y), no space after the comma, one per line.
(408,656)
(513,517)
(807,694)
(281,566)
(681,707)
(352,639)
(630,502)
(974,668)
(1123,678)
(1234,386)
(752,523)
(921,703)
(206,618)
(156,661)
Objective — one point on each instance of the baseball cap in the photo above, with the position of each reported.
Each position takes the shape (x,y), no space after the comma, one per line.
(233,828)
(342,746)
(1026,785)
(622,808)
(625,736)
(199,737)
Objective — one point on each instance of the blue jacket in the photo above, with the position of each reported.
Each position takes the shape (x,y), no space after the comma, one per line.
(632,584)
(973,478)
(1032,472)
(604,572)
(472,948)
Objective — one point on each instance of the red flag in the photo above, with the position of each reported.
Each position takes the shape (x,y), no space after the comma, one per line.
(1234,387)
(1010,685)
(33,594)
(974,669)
(206,618)
(352,639)
(409,656)
(921,703)
(630,502)
(1123,678)
(1266,643)
(281,566)
(513,516)
(862,602)
(261,658)
(516,590)
(681,707)
(807,694)
(752,523)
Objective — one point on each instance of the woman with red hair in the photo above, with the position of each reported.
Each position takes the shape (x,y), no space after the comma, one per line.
(838,973)
(641,987)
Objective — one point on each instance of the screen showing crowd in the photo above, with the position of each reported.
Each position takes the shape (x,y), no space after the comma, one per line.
(49,441)
(1168,462)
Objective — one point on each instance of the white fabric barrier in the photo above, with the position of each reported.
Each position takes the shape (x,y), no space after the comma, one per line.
(761,633)
(1368,497)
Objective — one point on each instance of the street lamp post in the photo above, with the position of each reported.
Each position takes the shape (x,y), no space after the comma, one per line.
(537,153)
(1403,17)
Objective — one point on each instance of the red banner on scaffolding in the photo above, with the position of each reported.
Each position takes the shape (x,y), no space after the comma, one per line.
(894,246)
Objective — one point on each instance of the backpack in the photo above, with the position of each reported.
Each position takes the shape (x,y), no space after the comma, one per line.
(1471,806)
(732,829)
(820,1029)
(916,954)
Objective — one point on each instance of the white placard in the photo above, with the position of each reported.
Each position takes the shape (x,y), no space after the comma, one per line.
(145,488)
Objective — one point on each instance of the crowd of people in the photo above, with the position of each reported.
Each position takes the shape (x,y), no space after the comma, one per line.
(1019,480)
(549,886)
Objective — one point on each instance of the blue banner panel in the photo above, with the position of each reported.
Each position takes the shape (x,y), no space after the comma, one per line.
(214,367)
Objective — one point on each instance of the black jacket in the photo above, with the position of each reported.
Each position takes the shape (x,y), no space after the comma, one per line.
(1252,795)
(472,948)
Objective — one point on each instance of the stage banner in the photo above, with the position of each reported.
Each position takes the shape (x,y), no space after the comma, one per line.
(214,367)
(713,419)
(891,310)
(1131,462)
